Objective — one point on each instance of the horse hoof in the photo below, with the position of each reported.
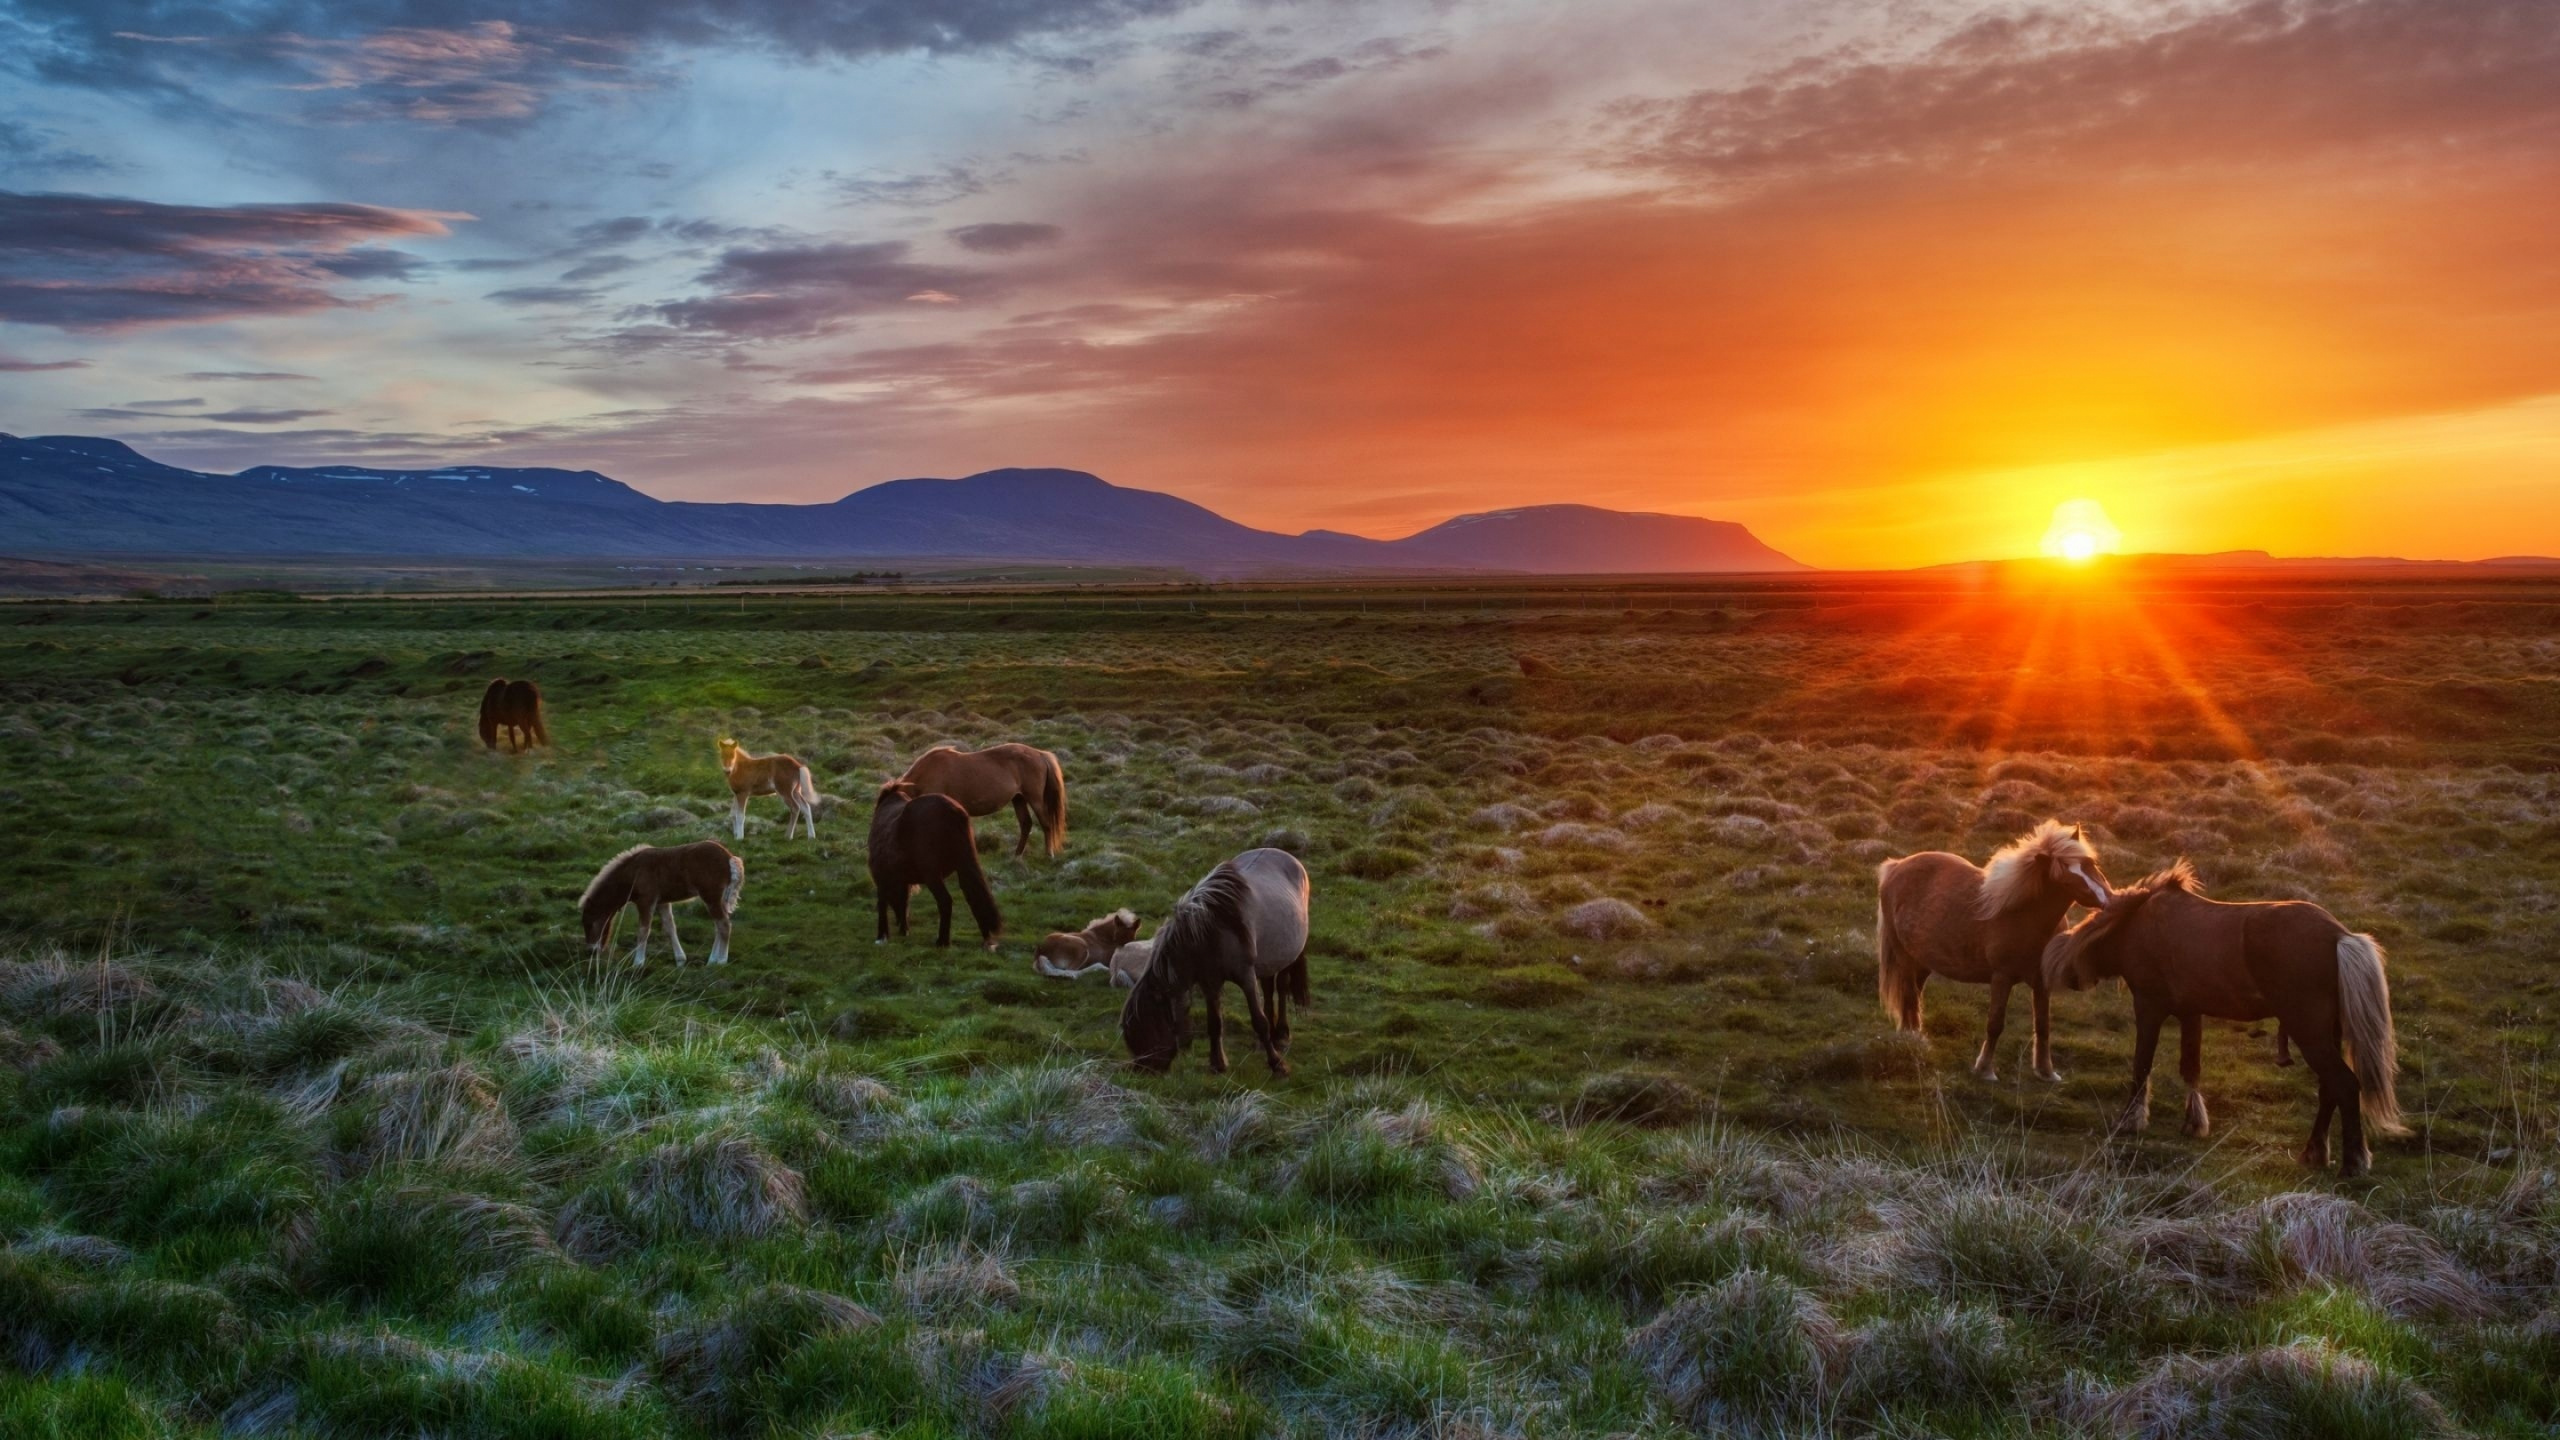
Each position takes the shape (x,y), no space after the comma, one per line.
(1280,1068)
(1987,1073)
(2197,1129)
(2351,1166)
(2049,1075)
(2315,1157)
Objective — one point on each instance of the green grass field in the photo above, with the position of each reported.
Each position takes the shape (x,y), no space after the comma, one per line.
(318,1122)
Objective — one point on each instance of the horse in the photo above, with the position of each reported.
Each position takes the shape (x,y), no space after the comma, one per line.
(783,775)
(2184,955)
(514,706)
(1938,915)
(985,781)
(1064,955)
(1245,923)
(655,878)
(917,839)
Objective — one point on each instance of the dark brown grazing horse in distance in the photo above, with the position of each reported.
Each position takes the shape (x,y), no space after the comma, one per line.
(986,781)
(917,839)
(652,879)
(2184,955)
(514,706)
(1938,915)
(1244,924)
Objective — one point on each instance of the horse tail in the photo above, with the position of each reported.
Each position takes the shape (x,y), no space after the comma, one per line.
(1053,802)
(973,888)
(489,699)
(2364,1014)
(1295,977)
(804,794)
(533,714)
(737,883)
(1897,985)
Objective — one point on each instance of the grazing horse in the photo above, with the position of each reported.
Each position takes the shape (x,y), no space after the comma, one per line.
(514,706)
(1245,923)
(986,781)
(655,878)
(1937,915)
(2184,955)
(783,775)
(917,840)
(1064,955)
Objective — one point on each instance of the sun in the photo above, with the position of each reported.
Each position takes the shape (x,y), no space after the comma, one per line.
(2081,532)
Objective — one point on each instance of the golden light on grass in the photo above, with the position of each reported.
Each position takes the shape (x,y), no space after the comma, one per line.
(2081,532)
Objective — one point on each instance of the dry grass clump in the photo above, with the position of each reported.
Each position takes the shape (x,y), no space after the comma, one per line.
(1606,918)
(2305,1239)
(705,1365)
(447,1115)
(50,985)
(720,1186)
(1753,1355)
(947,1278)
(2306,1390)
(1374,1156)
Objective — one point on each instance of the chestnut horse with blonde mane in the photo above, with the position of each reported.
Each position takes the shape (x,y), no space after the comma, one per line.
(783,775)
(2184,955)
(1938,915)
(653,879)
(986,781)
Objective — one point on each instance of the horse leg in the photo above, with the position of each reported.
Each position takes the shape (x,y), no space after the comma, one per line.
(2340,1088)
(1276,996)
(2191,1072)
(880,907)
(2043,999)
(1217,1026)
(667,913)
(906,894)
(737,816)
(1022,814)
(1263,1030)
(942,903)
(720,939)
(640,954)
(1987,1065)
(2147,1015)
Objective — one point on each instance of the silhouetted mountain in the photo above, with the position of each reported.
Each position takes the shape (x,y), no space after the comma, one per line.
(65,494)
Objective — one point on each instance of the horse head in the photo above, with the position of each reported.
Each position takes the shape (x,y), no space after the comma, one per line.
(2053,858)
(1155,1022)
(2088,952)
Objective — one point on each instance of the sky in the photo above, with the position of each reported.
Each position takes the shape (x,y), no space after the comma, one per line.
(1886,282)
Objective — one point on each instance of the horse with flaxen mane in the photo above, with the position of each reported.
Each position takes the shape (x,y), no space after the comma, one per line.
(514,706)
(918,839)
(2184,955)
(1244,924)
(1938,915)
(986,781)
(653,879)
(753,775)
(1064,955)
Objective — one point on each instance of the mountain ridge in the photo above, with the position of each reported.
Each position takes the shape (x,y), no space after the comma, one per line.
(90,495)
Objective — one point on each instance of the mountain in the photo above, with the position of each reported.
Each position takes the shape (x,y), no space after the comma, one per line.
(69,494)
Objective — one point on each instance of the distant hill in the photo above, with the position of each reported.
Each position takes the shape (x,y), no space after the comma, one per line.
(69,494)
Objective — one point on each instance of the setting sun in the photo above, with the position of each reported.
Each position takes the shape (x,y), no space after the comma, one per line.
(2081,532)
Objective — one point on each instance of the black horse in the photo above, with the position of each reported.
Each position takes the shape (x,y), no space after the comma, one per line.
(918,840)
(514,706)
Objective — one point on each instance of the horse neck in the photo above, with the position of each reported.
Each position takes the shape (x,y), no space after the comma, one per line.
(611,893)
(884,824)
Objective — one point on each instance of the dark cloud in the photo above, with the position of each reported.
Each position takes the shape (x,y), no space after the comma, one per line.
(796,290)
(2272,82)
(92,262)
(18,365)
(161,410)
(32,150)
(181,403)
(245,375)
(598,234)
(596,267)
(916,190)
(545,295)
(1006,237)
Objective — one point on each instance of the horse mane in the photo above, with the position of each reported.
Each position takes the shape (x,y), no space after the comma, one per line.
(2063,950)
(2010,879)
(609,867)
(1215,904)
(1124,915)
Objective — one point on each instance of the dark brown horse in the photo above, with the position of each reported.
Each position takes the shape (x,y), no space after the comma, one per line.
(918,839)
(1244,924)
(2184,955)
(514,706)
(986,781)
(654,878)
(1937,915)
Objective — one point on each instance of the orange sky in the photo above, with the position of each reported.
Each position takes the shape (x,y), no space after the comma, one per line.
(1886,285)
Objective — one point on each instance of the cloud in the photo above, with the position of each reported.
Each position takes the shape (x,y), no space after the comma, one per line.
(1005,237)
(92,262)
(788,291)
(596,267)
(18,365)
(161,410)
(916,190)
(33,150)
(245,375)
(545,295)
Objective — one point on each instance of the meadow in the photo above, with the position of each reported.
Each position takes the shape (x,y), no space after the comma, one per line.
(315,1120)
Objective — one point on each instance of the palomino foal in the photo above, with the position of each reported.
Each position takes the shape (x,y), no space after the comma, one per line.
(783,775)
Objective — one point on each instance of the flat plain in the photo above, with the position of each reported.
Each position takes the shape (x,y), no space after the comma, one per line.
(1596,1128)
